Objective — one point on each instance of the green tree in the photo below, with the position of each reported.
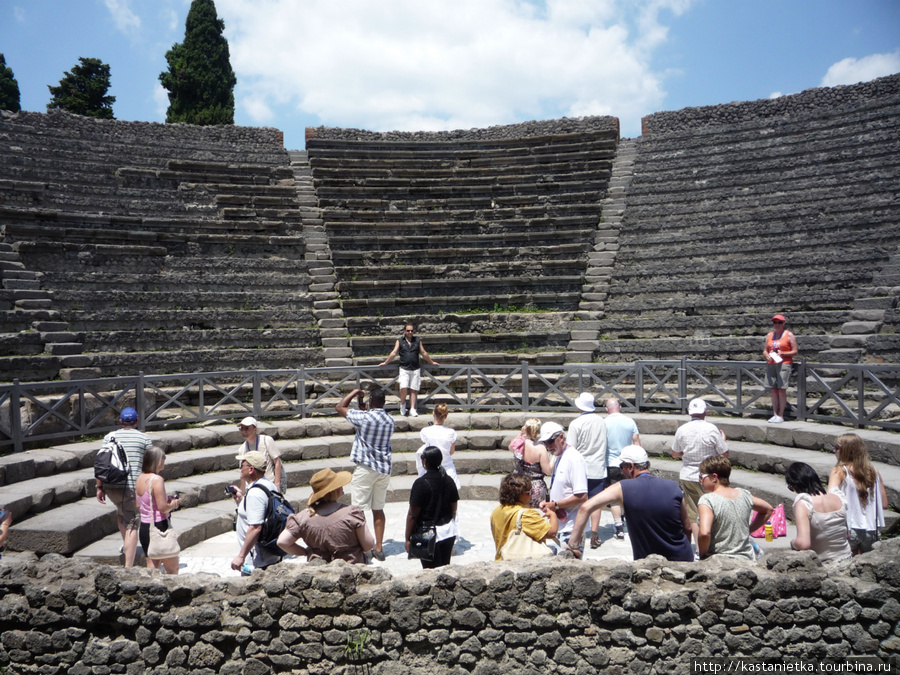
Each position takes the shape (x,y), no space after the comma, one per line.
(9,88)
(200,80)
(83,91)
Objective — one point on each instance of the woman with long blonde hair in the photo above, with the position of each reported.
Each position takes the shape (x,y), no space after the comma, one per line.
(864,490)
(531,459)
(154,505)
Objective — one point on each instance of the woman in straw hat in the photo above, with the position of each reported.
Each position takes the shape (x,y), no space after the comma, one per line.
(330,530)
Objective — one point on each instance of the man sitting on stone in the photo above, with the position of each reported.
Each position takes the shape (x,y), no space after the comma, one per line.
(654,508)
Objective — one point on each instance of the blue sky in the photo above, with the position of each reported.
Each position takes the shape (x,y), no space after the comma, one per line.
(433,64)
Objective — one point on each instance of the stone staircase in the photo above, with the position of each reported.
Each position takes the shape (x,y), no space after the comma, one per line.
(51,491)
(585,331)
(871,332)
(329,315)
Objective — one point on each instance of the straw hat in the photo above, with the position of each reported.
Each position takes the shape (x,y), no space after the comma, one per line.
(325,481)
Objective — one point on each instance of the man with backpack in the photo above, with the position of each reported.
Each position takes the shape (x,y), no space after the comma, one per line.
(134,443)
(251,515)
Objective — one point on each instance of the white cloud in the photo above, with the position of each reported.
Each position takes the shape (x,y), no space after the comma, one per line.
(775,94)
(851,71)
(19,13)
(124,18)
(257,109)
(160,101)
(408,64)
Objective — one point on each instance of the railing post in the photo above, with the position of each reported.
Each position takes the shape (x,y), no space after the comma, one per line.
(301,391)
(139,401)
(638,384)
(682,385)
(15,417)
(525,394)
(801,392)
(257,394)
(860,398)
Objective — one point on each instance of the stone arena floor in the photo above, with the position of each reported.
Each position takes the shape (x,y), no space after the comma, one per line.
(475,543)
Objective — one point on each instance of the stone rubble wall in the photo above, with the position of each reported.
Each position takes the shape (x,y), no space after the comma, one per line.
(183,141)
(809,102)
(558,616)
(565,125)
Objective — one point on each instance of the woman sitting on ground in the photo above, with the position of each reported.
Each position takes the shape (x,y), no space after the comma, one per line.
(531,459)
(331,530)
(432,501)
(154,505)
(515,495)
(725,512)
(863,489)
(820,516)
(442,437)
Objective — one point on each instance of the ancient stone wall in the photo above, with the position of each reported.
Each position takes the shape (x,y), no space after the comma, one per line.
(195,141)
(566,125)
(809,102)
(559,616)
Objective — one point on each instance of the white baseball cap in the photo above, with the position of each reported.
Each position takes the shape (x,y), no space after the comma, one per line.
(697,407)
(633,454)
(548,430)
(248,422)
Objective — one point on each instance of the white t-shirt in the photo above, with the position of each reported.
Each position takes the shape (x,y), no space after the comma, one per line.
(587,434)
(440,437)
(569,478)
(255,514)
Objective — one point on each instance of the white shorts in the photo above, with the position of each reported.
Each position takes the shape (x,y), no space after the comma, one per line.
(368,488)
(410,379)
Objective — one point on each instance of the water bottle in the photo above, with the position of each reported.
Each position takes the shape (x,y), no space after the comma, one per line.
(769,536)
(247,569)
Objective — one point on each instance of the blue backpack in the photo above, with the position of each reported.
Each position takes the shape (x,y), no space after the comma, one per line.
(277,511)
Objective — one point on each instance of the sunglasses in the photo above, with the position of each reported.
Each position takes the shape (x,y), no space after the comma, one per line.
(778,322)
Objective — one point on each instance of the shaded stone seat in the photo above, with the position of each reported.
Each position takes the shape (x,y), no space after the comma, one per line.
(228,318)
(458,303)
(458,285)
(354,260)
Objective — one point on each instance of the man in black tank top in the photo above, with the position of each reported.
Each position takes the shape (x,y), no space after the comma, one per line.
(409,348)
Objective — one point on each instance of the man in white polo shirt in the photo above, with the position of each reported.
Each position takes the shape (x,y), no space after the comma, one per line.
(568,481)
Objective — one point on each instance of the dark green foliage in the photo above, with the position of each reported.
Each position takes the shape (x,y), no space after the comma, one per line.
(200,80)
(9,88)
(83,91)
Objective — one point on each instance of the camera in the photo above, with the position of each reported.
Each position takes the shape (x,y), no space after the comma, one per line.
(230,490)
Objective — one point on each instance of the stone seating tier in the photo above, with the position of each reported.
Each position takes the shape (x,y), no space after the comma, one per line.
(396,173)
(485,322)
(669,323)
(134,340)
(395,189)
(149,319)
(402,306)
(349,262)
(699,348)
(50,492)
(490,223)
(463,202)
(207,360)
(547,239)
(453,343)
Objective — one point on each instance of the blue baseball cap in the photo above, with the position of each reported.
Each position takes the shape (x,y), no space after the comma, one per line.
(128,416)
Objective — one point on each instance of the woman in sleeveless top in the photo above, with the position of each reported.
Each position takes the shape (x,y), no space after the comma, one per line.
(531,459)
(820,516)
(725,512)
(154,505)
(863,489)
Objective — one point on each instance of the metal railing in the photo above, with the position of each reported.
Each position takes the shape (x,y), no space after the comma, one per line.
(38,412)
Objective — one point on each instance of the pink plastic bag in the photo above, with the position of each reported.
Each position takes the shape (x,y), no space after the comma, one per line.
(779,524)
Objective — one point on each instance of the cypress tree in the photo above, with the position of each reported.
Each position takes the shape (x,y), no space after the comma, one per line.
(83,90)
(200,80)
(9,88)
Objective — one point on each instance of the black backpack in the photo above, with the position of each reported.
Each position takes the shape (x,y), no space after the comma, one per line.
(111,463)
(277,511)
